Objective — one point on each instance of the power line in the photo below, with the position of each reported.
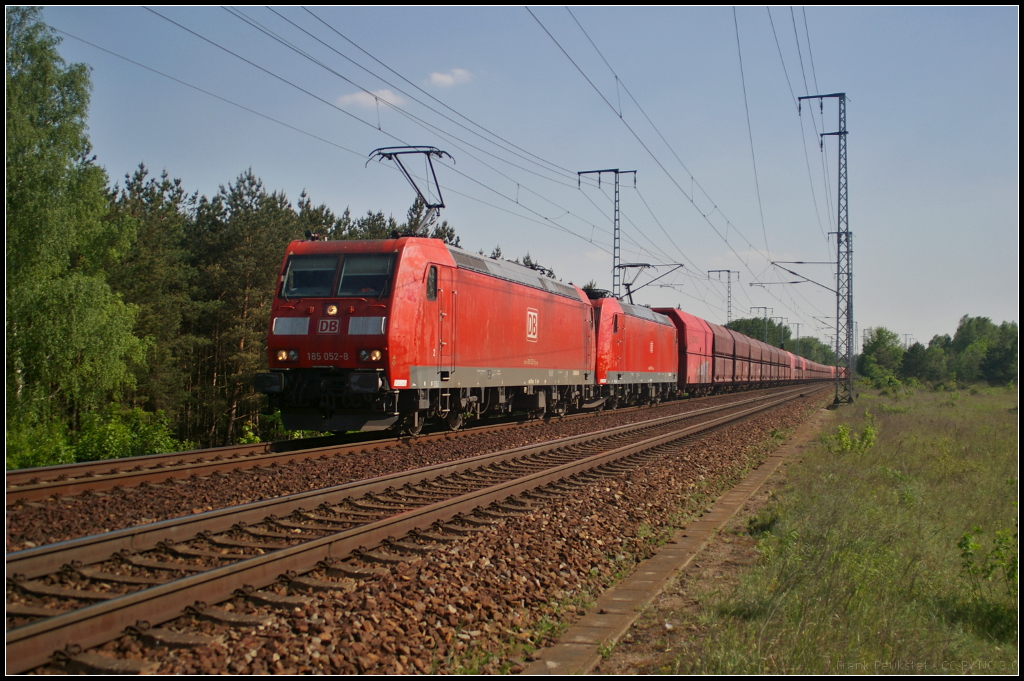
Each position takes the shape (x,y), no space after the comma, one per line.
(799,52)
(547,220)
(544,220)
(779,48)
(423,123)
(211,94)
(803,137)
(807,33)
(426,125)
(564,170)
(656,159)
(273,75)
(750,132)
(392,105)
(693,181)
(429,127)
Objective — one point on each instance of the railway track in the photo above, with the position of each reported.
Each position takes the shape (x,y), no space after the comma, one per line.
(83,592)
(36,484)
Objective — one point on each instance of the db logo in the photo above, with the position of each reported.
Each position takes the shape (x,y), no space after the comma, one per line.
(329,326)
(531,324)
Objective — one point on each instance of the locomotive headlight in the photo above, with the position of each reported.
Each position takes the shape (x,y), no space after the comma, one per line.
(287,355)
(282,355)
(370,355)
(331,310)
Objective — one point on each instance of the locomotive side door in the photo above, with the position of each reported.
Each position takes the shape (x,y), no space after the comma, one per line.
(446,322)
(588,341)
(619,326)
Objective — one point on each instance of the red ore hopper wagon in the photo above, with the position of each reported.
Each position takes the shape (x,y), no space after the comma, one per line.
(696,362)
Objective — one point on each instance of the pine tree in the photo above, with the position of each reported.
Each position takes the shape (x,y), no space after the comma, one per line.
(155,276)
(237,241)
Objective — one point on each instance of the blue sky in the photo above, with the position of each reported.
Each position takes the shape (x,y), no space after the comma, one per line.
(933,113)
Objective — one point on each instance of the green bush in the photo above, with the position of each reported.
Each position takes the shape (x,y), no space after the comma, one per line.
(33,442)
(116,433)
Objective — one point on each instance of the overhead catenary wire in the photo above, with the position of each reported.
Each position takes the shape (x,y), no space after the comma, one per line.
(803,136)
(814,75)
(646,148)
(750,133)
(241,16)
(824,154)
(654,157)
(640,108)
(569,173)
(274,75)
(212,94)
(424,124)
(547,221)
(392,105)
(620,82)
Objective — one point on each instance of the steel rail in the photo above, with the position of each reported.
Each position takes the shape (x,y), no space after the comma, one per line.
(32,645)
(49,558)
(37,477)
(98,476)
(35,484)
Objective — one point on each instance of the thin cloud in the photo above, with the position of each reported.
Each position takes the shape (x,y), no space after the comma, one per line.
(368,100)
(453,77)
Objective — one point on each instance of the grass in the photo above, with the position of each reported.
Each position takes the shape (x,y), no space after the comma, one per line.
(893,549)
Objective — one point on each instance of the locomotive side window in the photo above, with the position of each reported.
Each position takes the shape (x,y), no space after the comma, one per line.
(366,275)
(432,284)
(309,276)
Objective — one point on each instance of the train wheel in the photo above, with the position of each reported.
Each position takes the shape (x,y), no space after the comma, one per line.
(453,420)
(413,426)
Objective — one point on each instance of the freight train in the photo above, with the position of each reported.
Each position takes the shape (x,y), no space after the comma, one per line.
(390,334)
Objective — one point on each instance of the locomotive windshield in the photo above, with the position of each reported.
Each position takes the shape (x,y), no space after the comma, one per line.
(365,275)
(309,276)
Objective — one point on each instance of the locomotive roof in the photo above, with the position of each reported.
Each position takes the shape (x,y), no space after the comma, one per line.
(503,269)
(645,313)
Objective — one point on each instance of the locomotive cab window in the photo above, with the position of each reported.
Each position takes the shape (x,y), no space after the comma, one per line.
(309,276)
(432,283)
(366,275)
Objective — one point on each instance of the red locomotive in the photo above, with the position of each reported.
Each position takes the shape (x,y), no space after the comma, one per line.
(372,335)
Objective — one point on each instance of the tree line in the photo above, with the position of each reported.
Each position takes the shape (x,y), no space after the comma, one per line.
(979,350)
(136,314)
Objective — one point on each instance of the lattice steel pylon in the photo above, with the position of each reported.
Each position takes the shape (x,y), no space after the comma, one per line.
(616,257)
(728,299)
(844,265)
